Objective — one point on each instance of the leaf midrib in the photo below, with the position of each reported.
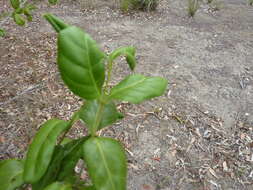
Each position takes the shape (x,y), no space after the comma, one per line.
(105,164)
(90,66)
(127,87)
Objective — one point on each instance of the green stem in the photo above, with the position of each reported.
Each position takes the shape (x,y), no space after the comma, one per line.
(98,117)
(72,121)
(74,118)
(109,73)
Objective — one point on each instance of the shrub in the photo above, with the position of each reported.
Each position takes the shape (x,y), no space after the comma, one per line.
(50,160)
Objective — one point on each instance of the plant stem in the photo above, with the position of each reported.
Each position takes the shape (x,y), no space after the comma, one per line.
(73,119)
(98,117)
(109,73)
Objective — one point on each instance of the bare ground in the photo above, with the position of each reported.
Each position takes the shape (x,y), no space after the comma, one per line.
(197,136)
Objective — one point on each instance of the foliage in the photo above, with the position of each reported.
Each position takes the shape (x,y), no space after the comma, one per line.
(251,2)
(2,32)
(22,12)
(50,162)
(193,6)
(146,5)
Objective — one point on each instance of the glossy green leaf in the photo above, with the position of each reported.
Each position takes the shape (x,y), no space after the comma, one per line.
(128,52)
(137,88)
(42,148)
(72,153)
(106,163)
(2,32)
(63,162)
(80,63)
(52,171)
(90,111)
(15,3)
(11,174)
(19,20)
(52,2)
(55,22)
(59,186)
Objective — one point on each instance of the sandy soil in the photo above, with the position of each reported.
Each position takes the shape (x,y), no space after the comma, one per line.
(199,135)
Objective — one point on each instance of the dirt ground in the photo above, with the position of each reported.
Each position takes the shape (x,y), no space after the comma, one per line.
(198,136)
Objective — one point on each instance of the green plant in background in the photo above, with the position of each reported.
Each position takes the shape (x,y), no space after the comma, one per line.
(193,6)
(125,5)
(22,12)
(52,2)
(251,2)
(146,5)
(2,32)
(50,162)
(216,5)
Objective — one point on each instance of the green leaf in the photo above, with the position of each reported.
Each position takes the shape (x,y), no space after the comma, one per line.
(19,20)
(90,111)
(53,169)
(80,63)
(19,11)
(63,162)
(28,14)
(55,22)
(29,18)
(42,148)
(59,186)
(30,7)
(11,174)
(15,3)
(66,140)
(2,32)
(72,153)
(137,88)
(87,188)
(106,163)
(52,2)
(128,52)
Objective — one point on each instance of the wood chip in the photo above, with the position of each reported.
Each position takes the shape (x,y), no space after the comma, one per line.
(213,172)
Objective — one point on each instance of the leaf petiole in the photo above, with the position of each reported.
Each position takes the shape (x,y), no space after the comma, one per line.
(109,73)
(72,121)
(99,115)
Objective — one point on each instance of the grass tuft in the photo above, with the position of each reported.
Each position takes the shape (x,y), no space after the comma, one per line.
(145,5)
(193,6)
